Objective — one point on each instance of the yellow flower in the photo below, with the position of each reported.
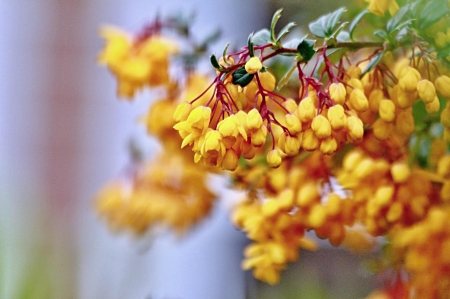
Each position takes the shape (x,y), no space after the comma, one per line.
(338,93)
(427,91)
(358,100)
(387,110)
(409,78)
(230,160)
(274,158)
(442,85)
(379,7)
(253,65)
(306,110)
(336,116)
(254,119)
(321,126)
(293,123)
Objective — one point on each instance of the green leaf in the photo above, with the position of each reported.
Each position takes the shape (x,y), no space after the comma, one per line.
(241,77)
(261,37)
(224,53)
(356,21)
(373,63)
(214,62)
(306,49)
(338,30)
(397,19)
(380,33)
(285,30)
(286,77)
(323,27)
(443,53)
(250,45)
(343,36)
(432,12)
(275,18)
(293,43)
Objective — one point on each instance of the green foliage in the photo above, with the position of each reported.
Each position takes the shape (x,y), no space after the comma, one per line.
(241,77)
(373,62)
(324,26)
(214,62)
(356,21)
(306,49)
(262,37)
(432,12)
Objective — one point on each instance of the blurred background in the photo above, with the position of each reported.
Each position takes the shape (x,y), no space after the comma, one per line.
(63,134)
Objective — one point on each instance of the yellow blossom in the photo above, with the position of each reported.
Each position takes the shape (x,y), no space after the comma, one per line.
(321,126)
(338,93)
(387,110)
(336,116)
(306,110)
(442,85)
(426,90)
(253,65)
(379,7)
(273,158)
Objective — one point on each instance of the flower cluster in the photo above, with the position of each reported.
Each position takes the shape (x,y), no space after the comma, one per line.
(137,62)
(168,192)
(351,143)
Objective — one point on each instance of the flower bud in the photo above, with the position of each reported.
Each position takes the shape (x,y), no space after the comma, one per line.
(442,85)
(336,116)
(426,90)
(382,129)
(353,84)
(259,136)
(405,99)
(383,195)
(182,111)
(445,116)
(230,160)
(199,118)
(307,194)
(267,80)
(443,167)
(306,110)
(338,93)
(274,158)
(379,7)
(358,100)
(321,126)
(434,106)
(292,145)
(328,145)
(405,123)
(387,110)
(293,123)
(290,105)
(400,172)
(355,128)
(310,141)
(374,100)
(253,65)
(409,78)
(254,119)
(354,71)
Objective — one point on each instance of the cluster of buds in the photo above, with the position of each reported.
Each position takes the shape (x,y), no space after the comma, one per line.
(168,192)
(424,250)
(379,110)
(136,62)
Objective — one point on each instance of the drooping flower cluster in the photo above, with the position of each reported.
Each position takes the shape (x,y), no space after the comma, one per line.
(168,192)
(352,143)
(136,62)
